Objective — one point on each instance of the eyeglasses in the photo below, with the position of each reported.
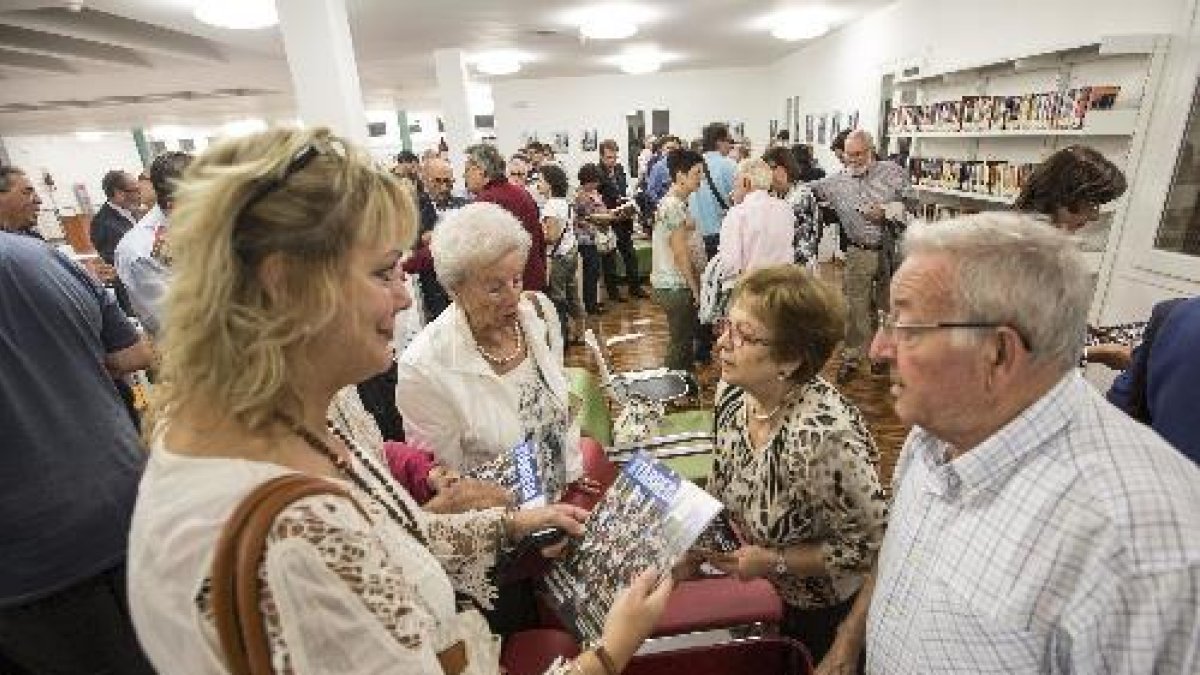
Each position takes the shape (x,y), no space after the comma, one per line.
(447,180)
(889,326)
(301,160)
(737,334)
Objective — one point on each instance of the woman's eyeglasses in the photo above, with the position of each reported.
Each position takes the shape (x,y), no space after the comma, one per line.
(737,334)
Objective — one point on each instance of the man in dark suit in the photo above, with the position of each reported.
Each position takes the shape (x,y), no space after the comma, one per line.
(614,192)
(115,218)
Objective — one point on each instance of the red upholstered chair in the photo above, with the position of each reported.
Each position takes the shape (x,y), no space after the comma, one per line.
(531,652)
(598,467)
(760,656)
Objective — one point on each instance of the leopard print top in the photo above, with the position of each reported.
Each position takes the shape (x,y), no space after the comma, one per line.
(815,482)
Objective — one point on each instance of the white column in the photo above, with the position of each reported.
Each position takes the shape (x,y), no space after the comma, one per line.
(320,55)
(456,107)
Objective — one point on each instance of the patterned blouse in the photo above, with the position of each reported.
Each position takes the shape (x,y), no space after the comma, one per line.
(808,223)
(816,481)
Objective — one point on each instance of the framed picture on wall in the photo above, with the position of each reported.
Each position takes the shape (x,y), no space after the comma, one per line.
(835,124)
(809,131)
(795,125)
(822,126)
(588,143)
(528,137)
(853,121)
(788,113)
(774,128)
(562,141)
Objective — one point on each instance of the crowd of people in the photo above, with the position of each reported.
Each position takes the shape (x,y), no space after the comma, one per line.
(1032,525)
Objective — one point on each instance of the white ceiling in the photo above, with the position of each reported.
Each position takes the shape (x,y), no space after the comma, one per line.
(117,64)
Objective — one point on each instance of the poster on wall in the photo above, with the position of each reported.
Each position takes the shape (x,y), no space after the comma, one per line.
(835,124)
(794,127)
(528,137)
(774,128)
(562,141)
(737,130)
(853,123)
(588,143)
(809,132)
(788,113)
(822,126)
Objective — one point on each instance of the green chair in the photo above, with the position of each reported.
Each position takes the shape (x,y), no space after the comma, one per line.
(595,420)
(692,467)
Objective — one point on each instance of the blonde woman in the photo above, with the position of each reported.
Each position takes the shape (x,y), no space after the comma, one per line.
(286,247)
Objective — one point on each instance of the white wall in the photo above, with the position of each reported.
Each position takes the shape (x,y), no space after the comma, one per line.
(70,160)
(600,102)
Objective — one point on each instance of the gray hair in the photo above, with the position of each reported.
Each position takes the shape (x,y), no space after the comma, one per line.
(864,136)
(489,159)
(1015,270)
(473,237)
(758,171)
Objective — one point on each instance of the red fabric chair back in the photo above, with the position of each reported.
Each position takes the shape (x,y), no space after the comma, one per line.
(760,656)
(531,652)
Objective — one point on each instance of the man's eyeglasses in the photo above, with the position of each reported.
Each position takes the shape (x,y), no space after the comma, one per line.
(447,180)
(737,334)
(301,160)
(890,327)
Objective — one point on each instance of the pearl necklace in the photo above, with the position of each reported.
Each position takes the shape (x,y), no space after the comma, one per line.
(501,360)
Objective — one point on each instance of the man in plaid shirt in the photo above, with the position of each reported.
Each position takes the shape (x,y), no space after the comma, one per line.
(1034,526)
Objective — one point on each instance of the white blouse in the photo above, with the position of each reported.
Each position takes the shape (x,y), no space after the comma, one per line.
(343,594)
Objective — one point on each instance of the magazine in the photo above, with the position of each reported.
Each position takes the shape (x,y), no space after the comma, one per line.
(523,472)
(720,536)
(650,517)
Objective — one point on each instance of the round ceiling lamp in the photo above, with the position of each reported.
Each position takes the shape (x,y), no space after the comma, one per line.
(608,28)
(640,61)
(237,14)
(498,63)
(795,25)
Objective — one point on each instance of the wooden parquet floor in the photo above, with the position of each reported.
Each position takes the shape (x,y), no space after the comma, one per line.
(869,392)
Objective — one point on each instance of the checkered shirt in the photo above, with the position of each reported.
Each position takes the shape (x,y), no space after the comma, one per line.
(1067,542)
(884,182)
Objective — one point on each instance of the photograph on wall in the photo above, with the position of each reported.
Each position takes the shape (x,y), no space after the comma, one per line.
(562,141)
(589,143)
(809,132)
(835,123)
(822,126)
(774,128)
(788,113)
(795,125)
(853,121)
(528,137)
(738,130)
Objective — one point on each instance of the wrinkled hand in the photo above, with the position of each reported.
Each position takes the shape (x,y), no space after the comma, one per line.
(1115,356)
(873,213)
(746,563)
(468,494)
(842,657)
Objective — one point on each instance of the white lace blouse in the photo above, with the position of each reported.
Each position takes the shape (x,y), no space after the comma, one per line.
(343,593)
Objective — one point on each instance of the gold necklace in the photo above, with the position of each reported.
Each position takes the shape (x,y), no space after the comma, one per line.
(501,360)
(774,411)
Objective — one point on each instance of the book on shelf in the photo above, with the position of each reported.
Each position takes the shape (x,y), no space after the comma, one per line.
(648,518)
(528,470)
(1041,111)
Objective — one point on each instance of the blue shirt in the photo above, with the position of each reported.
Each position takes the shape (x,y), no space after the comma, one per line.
(703,203)
(70,458)
(1172,381)
(659,180)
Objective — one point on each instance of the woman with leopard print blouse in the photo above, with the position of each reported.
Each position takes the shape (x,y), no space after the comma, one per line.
(795,464)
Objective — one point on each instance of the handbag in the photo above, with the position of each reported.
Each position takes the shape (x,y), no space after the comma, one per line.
(236,594)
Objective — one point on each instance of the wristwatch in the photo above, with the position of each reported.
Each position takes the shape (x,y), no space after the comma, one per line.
(781,567)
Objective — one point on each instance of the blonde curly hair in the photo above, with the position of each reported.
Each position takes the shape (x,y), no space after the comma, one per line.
(306,195)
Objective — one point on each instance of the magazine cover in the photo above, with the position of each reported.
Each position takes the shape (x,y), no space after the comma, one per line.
(721,536)
(649,517)
(523,471)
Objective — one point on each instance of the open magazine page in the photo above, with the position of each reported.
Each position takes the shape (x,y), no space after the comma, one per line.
(720,536)
(648,518)
(522,471)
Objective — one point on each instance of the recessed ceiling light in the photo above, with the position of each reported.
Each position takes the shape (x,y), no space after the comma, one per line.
(799,24)
(237,14)
(90,136)
(503,62)
(640,60)
(609,21)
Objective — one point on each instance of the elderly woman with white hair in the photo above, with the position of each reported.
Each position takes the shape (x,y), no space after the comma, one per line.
(759,230)
(488,373)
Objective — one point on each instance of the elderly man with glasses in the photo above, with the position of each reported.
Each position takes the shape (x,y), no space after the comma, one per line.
(1034,527)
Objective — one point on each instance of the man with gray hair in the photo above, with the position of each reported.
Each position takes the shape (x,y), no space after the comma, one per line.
(19,203)
(759,229)
(485,177)
(871,199)
(1034,527)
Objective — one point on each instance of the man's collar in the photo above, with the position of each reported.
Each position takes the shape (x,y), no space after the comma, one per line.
(996,458)
(123,211)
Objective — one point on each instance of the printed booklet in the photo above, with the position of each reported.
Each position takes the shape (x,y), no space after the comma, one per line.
(650,517)
(527,471)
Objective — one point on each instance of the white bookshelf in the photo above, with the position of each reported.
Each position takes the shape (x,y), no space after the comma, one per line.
(1097,123)
(963,194)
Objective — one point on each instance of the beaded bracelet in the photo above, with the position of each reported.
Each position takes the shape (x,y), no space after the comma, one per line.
(605,660)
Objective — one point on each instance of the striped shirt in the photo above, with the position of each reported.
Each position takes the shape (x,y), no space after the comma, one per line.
(1067,542)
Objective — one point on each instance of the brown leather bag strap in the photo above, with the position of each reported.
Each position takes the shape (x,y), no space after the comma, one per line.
(239,555)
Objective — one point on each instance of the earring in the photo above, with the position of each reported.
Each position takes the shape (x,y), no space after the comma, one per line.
(782,376)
